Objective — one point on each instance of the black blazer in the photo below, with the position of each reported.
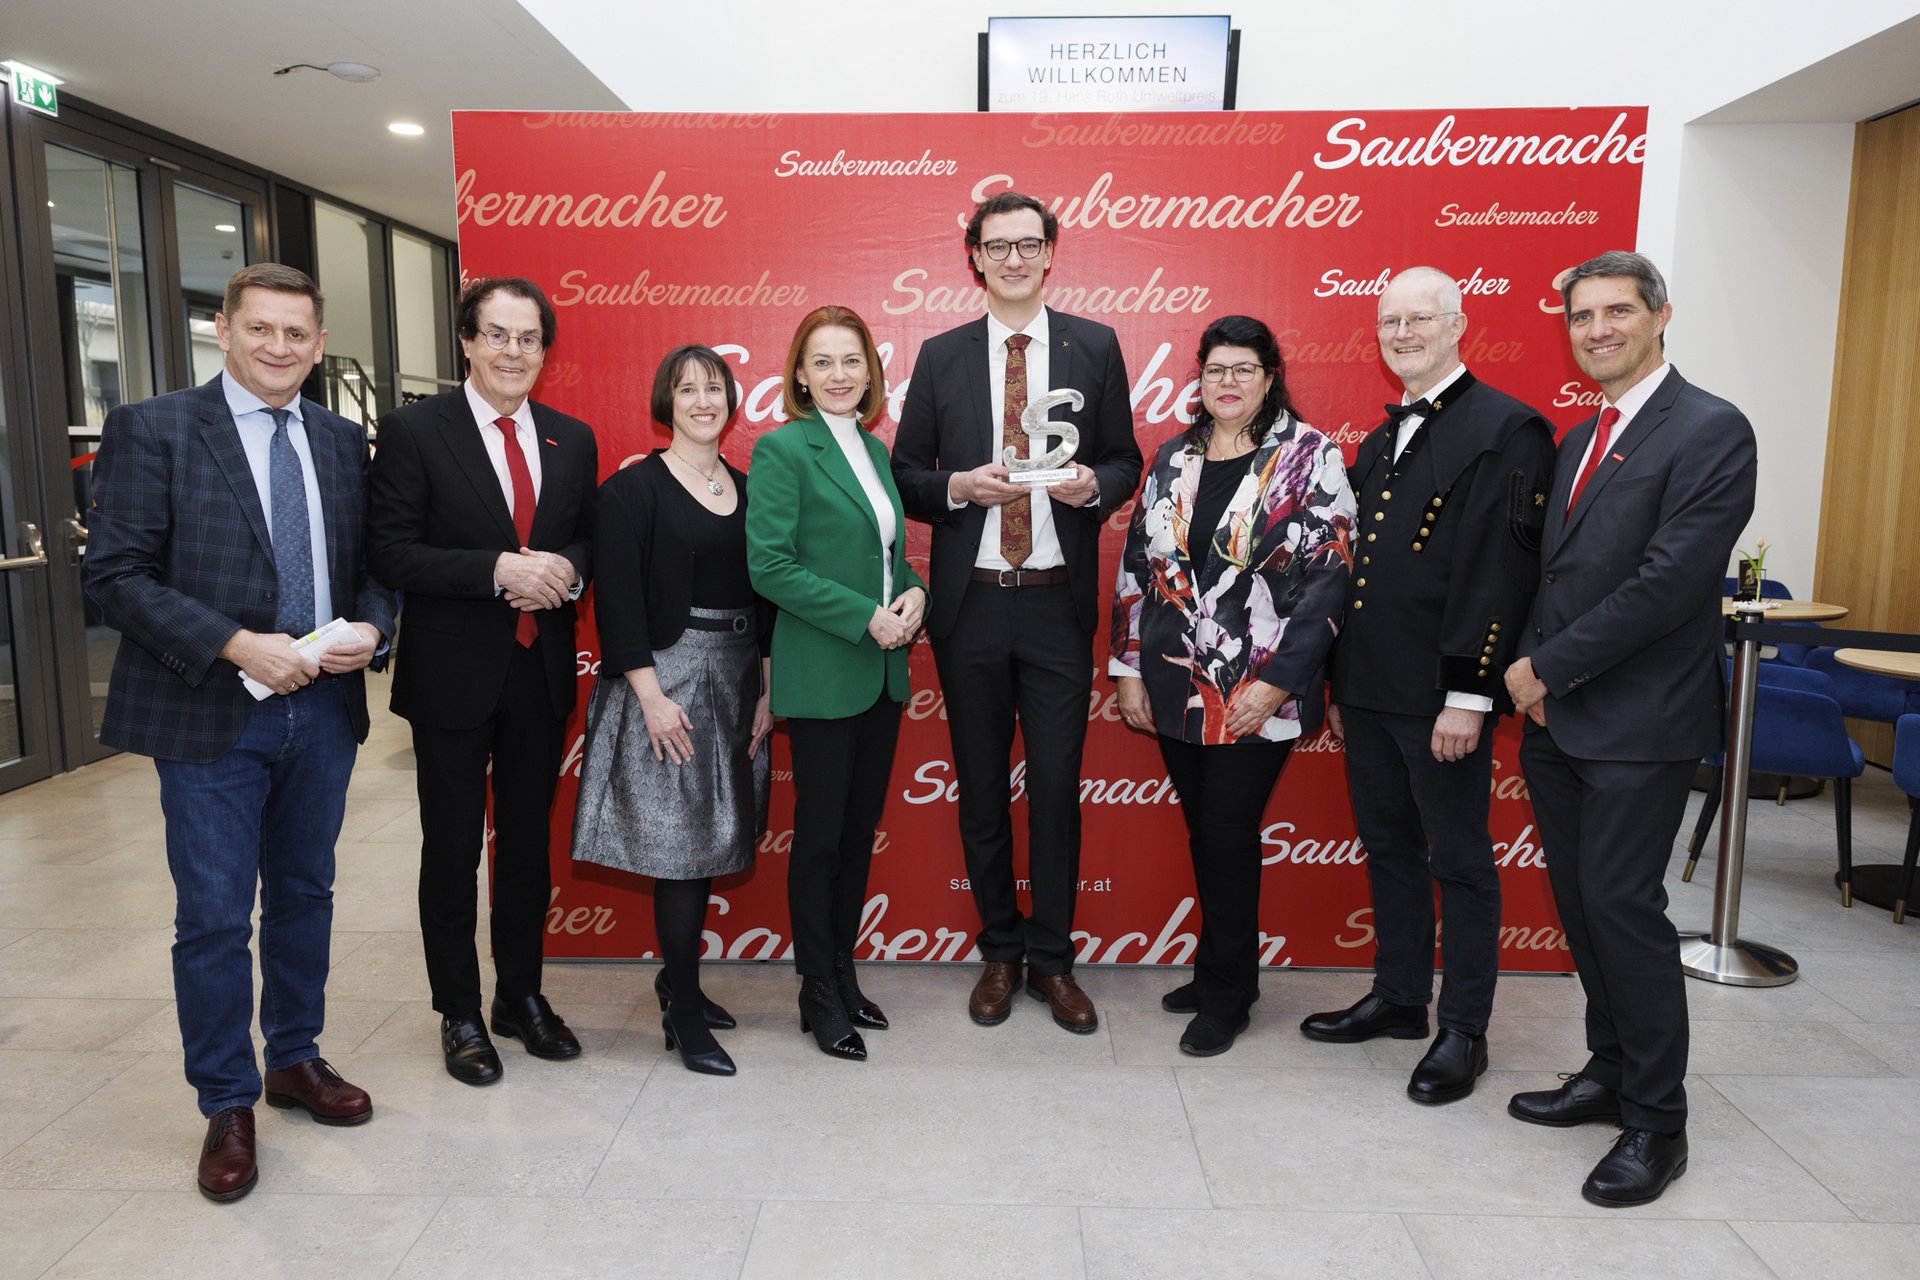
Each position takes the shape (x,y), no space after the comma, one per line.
(1443,581)
(179,558)
(1626,630)
(947,425)
(437,523)
(644,585)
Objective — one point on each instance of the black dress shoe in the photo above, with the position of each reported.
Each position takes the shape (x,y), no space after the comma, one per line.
(1453,1062)
(822,1014)
(471,1058)
(532,1021)
(1207,1036)
(1577,1101)
(717,1018)
(861,1011)
(1370,1016)
(708,1062)
(1638,1168)
(1182,999)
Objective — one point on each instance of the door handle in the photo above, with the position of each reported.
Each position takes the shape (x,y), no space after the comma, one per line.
(76,540)
(36,556)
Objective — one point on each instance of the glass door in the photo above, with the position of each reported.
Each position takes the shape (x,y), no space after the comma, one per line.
(127,253)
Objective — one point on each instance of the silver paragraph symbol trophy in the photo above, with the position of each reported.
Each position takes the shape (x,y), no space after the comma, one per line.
(1045,468)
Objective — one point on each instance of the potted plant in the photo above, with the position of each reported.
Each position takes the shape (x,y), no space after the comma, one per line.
(1753,571)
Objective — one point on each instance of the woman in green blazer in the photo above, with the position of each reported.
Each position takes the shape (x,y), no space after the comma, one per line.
(826,543)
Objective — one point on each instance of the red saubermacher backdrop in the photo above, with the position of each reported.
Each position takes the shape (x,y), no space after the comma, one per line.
(650,230)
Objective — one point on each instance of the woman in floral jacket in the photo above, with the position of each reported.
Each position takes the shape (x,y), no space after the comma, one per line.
(1231,589)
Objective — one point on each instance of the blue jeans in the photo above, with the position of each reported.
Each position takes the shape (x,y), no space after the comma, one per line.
(265,814)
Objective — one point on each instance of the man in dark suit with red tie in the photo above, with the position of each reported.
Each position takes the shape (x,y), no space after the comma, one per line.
(482,518)
(1015,584)
(1620,678)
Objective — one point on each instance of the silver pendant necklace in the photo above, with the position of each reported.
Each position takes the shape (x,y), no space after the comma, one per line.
(714,487)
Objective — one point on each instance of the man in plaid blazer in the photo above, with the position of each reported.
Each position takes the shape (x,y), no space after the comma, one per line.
(228,521)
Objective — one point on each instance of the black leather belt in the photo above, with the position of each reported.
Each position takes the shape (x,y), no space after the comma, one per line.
(738,622)
(1021,577)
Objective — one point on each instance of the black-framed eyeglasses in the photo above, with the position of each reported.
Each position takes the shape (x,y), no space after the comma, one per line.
(528,342)
(1238,372)
(1029,248)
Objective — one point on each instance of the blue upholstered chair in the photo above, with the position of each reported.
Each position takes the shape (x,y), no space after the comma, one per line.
(1798,730)
(1906,776)
(1864,695)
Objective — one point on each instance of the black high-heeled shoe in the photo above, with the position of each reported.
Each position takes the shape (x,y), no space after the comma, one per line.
(713,1062)
(822,1014)
(860,1010)
(717,1018)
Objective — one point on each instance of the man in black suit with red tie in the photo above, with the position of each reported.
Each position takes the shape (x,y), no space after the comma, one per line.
(1620,678)
(482,518)
(1015,578)
(1452,491)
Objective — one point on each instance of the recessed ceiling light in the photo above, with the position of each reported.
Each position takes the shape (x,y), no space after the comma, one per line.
(406,129)
(223,226)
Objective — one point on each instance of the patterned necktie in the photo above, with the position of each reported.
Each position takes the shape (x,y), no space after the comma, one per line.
(1602,435)
(527,629)
(1016,517)
(292,533)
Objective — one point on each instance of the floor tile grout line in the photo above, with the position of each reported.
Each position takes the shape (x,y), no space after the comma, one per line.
(126,1199)
(1407,1230)
(753,1232)
(1774,1142)
(587,1187)
(134,1060)
(1193,1138)
(420,1235)
(1734,1226)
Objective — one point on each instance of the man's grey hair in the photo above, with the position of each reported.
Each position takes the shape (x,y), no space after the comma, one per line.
(1619,262)
(1447,287)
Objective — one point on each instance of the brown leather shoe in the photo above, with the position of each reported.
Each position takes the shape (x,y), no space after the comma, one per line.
(318,1088)
(227,1167)
(1071,1008)
(992,998)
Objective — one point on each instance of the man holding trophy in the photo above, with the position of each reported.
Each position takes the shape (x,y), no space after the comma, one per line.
(1015,581)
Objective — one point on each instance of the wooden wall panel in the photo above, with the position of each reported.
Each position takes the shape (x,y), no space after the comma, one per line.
(1869,552)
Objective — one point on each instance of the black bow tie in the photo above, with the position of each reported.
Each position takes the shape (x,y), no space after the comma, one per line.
(1397,413)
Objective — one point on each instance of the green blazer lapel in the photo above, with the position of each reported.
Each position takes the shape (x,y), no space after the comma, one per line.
(833,461)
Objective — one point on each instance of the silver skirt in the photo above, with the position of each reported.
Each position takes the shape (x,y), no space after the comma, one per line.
(678,822)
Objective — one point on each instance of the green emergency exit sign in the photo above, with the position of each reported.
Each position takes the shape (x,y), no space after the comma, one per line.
(36,92)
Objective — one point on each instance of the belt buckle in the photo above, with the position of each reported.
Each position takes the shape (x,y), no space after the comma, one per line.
(1009,577)
(739,623)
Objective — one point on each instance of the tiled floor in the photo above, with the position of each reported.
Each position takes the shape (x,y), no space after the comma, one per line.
(960,1152)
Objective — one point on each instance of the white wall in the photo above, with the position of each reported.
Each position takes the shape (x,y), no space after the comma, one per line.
(1748,221)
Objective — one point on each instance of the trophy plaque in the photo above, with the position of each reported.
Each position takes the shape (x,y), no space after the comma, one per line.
(1045,467)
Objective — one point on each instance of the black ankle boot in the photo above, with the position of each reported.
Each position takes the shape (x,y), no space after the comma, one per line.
(822,1014)
(860,1010)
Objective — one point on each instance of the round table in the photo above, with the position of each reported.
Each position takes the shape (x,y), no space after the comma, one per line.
(1788,610)
(1882,662)
(1720,954)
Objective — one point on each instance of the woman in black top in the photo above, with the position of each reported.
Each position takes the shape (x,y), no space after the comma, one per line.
(673,784)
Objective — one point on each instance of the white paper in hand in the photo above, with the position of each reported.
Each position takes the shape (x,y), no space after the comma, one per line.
(310,645)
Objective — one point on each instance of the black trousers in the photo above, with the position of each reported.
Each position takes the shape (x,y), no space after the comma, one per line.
(1608,827)
(1223,793)
(522,739)
(1019,653)
(840,770)
(1424,821)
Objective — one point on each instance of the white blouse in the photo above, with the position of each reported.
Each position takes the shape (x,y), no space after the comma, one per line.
(847,432)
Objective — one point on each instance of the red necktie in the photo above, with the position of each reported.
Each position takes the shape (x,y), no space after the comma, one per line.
(527,630)
(1602,434)
(1016,517)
